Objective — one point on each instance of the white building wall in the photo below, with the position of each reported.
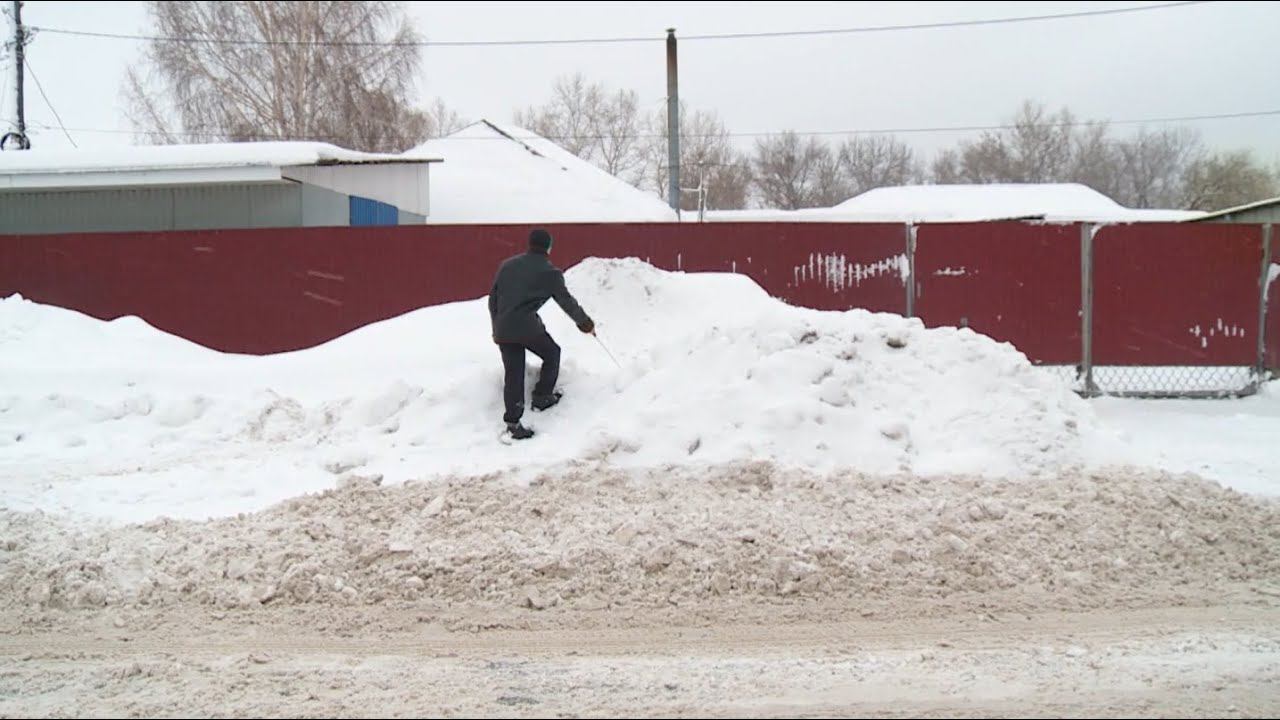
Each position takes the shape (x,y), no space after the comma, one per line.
(404,185)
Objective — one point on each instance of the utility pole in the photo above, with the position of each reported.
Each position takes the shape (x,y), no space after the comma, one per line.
(18,138)
(673,125)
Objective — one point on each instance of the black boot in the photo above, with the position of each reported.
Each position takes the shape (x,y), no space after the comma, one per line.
(518,431)
(543,402)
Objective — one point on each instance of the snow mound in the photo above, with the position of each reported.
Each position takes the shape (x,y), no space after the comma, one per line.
(120,420)
(594,537)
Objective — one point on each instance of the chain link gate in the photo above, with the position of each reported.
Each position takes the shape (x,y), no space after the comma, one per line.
(1163,381)
(1145,380)
(1167,381)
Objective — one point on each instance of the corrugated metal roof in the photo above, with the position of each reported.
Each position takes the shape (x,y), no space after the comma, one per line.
(1241,208)
(150,165)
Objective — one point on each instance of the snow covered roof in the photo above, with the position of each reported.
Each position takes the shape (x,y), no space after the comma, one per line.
(1241,208)
(502,174)
(950,203)
(176,164)
(1063,202)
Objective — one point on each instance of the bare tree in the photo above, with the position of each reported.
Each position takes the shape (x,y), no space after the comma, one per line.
(988,160)
(792,173)
(832,185)
(1038,146)
(1161,168)
(618,127)
(729,181)
(1095,160)
(590,121)
(567,118)
(707,156)
(877,161)
(342,72)
(610,129)
(945,169)
(1153,165)
(1226,180)
(441,120)
(1166,168)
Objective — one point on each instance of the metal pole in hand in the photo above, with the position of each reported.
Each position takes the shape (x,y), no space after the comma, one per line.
(611,357)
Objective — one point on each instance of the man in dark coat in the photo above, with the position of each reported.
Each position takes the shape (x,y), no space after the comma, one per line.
(523,284)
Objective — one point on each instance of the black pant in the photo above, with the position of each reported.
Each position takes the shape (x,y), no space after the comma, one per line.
(513,361)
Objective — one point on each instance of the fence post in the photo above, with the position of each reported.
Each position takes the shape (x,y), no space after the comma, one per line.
(1086,309)
(911,269)
(1260,372)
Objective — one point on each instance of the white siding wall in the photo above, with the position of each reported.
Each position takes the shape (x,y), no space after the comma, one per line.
(404,185)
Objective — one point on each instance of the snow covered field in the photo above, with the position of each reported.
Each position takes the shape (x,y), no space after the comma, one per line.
(751,464)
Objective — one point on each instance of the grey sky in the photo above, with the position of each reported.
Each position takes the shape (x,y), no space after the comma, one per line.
(1194,60)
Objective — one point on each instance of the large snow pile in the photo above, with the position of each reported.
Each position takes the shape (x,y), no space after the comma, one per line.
(713,370)
(497,174)
(594,538)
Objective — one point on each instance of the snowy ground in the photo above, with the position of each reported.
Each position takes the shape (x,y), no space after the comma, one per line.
(770,510)
(1235,442)
(746,591)
(1168,663)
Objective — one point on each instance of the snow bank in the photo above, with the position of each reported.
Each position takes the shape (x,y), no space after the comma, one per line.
(120,420)
(597,538)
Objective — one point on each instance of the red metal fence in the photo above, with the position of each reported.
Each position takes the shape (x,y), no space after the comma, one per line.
(263,291)
(1164,294)
(1176,294)
(1015,282)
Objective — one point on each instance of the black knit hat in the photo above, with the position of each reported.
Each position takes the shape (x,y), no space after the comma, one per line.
(540,239)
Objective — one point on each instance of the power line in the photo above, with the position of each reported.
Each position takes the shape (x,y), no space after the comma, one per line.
(625,40)
(1074,123)
(941,25)
(46,102)
(807,133)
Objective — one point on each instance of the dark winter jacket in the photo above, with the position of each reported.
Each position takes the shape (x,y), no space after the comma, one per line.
(523,284)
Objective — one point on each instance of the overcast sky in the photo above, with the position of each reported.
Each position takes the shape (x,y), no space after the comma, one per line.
(1212,58)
